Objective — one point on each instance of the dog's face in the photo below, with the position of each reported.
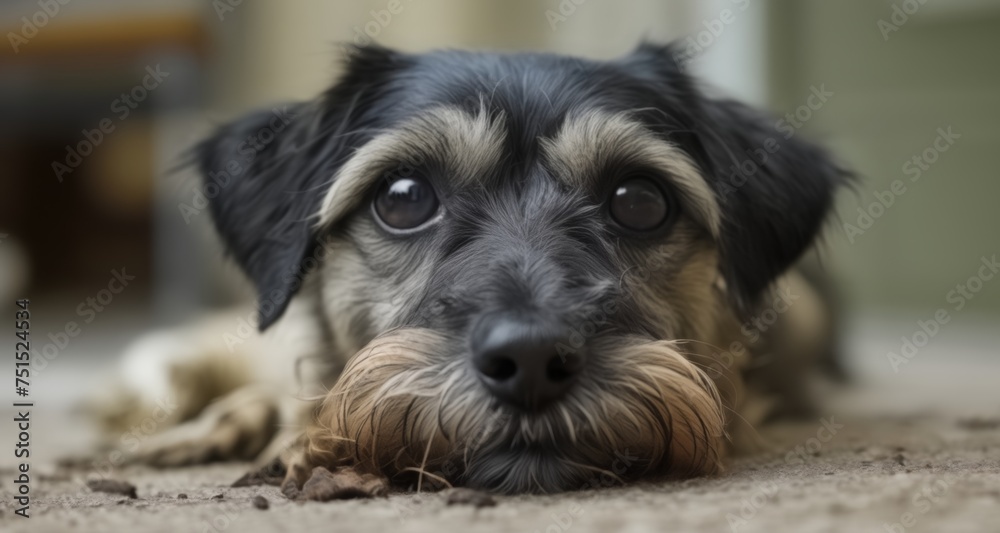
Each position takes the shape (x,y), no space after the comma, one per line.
(523,252)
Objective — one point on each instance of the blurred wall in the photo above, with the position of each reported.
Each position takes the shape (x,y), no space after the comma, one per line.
(901,73)
(291,49)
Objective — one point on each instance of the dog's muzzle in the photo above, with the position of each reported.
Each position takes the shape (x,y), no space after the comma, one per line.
(411,403)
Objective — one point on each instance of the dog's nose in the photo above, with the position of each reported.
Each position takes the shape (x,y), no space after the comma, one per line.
(523,363)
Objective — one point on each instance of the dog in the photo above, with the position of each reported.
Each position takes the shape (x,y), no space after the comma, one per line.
(511,272)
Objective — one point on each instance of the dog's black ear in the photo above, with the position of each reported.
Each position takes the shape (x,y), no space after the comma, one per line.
(265,175)
(774,188)
(262,211)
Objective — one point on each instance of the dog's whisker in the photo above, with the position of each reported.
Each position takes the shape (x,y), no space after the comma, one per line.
(423,462)
(422,472)
(568,423)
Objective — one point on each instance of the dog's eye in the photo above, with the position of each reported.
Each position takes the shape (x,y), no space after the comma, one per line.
(639,204)
(405,203)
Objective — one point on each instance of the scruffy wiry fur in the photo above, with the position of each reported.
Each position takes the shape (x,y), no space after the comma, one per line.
(392,413)
(523,151)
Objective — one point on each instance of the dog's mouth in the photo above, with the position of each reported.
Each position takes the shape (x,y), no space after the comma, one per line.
(405,409)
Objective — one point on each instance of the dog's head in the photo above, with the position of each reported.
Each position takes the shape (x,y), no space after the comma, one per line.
(521,250)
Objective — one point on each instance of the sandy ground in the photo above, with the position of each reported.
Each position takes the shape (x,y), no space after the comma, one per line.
(898,474)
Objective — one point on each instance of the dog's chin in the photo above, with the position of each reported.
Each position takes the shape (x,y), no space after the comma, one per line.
(537,469)
(408,408)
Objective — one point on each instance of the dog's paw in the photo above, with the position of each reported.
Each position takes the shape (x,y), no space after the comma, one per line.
(343,483)
(292,468)
(271,466)
(237,427)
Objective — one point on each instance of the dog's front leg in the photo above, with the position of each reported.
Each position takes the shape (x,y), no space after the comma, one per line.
(237,426)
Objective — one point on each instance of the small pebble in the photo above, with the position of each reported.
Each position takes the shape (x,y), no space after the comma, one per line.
(112,486)
(260,502)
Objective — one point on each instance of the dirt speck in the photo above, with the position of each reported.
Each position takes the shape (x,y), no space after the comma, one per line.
(219,497)
(112,486)
(979,424)
(182,496)
(260,502)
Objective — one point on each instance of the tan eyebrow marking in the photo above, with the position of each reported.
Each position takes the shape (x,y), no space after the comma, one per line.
(469,145)
(588,141)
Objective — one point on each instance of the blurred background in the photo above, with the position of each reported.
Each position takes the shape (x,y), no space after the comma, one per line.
(99,99)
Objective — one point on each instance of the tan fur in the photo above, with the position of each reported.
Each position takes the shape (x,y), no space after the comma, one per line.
(590,142)
(470,144)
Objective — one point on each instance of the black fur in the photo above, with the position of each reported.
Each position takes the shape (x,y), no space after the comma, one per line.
(773,202)
(774,216)
(266,212)
(261,209)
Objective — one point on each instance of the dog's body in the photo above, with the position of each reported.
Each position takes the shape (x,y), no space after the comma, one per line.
(521,267)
